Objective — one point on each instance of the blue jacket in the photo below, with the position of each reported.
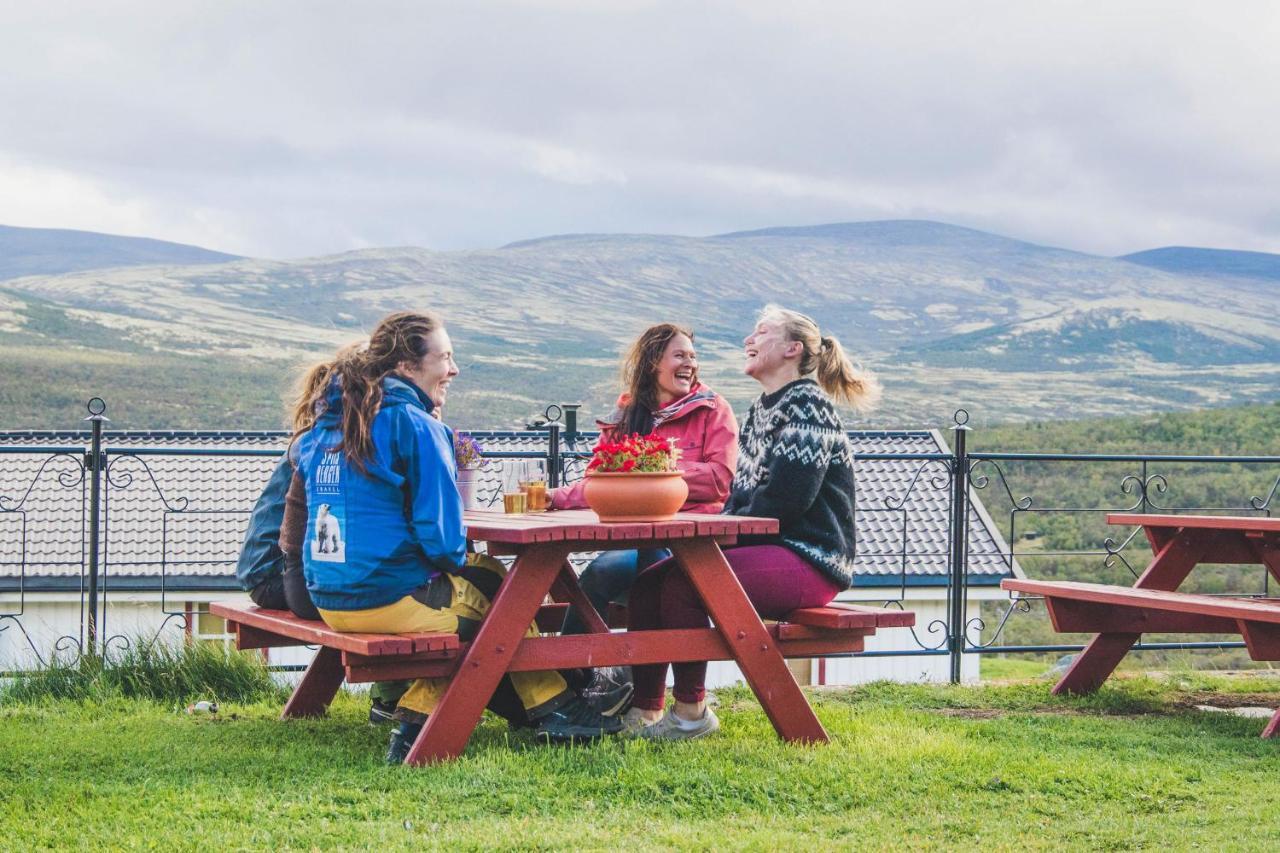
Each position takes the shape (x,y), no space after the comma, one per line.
(374,538)
(260,557)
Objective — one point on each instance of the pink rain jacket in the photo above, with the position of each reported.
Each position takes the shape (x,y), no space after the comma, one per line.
(707,431)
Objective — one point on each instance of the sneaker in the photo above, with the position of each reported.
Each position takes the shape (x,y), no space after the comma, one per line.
(609,690)
(671,727)
(634,722)
(576,720)
(380,713)
(402,738)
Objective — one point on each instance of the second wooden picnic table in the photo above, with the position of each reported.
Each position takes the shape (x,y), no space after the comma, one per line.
(1120,615)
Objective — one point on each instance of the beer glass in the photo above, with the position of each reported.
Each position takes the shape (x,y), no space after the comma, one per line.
(534,485)
(514,499)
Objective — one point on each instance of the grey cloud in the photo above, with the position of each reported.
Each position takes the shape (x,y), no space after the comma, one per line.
(303,127)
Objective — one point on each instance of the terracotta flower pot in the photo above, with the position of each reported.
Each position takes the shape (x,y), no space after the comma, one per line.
(635,496)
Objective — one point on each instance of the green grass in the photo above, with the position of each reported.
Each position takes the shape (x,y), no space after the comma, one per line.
(1002,767)
(160,672)
(1005,667)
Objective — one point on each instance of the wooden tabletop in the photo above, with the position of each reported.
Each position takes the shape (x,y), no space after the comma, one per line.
(582,524)
(1202,522)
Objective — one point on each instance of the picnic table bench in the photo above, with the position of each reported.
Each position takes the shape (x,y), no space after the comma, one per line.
(541,544)
(1120,615)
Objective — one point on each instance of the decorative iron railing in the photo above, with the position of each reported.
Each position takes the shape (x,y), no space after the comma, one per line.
(102,515)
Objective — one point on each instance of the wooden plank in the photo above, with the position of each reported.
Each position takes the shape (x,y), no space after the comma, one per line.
(319,685)
(1272,726)
(620,649)
(1074,616)
(550,617)
(754,649)
(792,631)
(1104,652)
(567,589)
(1259,609)
(315,633)
(1199,522)
(1262,638)
(488,657)
(838,614)
(831,618)
(249,637)
(584,526)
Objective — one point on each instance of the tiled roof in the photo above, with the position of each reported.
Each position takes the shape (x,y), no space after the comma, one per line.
(179,502)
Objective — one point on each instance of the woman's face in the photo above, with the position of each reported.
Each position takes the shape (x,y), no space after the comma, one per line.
(677,369)
(767,349)
(434,371)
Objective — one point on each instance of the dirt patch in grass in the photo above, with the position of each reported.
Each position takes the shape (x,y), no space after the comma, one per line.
(1227,700)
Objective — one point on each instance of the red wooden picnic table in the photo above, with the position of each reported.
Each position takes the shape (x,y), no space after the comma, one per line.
(542,543)
(1121,615)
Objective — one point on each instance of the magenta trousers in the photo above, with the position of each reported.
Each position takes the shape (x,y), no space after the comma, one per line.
(775,579)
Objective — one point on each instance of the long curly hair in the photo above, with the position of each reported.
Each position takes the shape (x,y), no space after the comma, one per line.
(640,376)
(359,369)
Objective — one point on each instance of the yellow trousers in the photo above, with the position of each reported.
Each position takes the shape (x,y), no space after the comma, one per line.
(408,615)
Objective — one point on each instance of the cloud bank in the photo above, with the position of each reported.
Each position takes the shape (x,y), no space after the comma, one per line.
(287,129)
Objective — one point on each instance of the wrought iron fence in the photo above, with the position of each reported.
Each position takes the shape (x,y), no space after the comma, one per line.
(76,510)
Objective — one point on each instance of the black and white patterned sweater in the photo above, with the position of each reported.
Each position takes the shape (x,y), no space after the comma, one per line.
(795,464)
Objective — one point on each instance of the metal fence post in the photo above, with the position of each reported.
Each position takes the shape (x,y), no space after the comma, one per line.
(553,454)
(571,421)
(956,618)
(94,463)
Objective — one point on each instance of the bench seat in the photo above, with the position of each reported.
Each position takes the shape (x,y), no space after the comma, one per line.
(1102,608)
(808,632)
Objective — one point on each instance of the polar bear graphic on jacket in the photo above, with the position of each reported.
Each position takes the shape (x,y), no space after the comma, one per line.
(327,544)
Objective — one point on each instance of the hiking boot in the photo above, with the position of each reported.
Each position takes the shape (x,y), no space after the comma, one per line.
(609,691)
(576,720)
(380,712)
(671,727)
(402,738)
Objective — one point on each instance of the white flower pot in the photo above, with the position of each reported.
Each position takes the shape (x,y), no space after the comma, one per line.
(468,480)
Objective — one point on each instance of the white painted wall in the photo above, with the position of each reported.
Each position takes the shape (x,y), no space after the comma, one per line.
(49,616)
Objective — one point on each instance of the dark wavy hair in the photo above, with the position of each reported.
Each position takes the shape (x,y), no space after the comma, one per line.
(640,376)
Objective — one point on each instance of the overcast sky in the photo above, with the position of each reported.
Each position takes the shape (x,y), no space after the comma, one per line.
(281,129)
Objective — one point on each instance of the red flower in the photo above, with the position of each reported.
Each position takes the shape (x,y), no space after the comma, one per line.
(628,465)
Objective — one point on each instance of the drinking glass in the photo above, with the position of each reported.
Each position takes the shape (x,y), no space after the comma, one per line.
(534,485)
(514,499)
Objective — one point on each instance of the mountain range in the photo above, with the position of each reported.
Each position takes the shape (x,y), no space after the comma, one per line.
(948,316)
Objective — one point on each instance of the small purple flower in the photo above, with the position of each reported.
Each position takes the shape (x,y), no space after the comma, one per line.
(467,451)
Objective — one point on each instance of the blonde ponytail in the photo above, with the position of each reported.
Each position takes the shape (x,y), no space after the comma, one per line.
(842,379)
(825,359)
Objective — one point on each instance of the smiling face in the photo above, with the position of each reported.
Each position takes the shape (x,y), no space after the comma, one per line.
(434,371)
(769,352)
(677,369)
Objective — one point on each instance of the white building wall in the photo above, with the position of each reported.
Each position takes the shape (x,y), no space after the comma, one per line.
(49,616)
(928,603)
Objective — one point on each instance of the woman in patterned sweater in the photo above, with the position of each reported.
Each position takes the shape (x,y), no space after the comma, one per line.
(794,464)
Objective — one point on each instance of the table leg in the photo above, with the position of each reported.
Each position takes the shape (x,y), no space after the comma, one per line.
(753,649)
(1178,556)
(319,685)
(567,589)
(1268,555)
(486,660)
(1273,726)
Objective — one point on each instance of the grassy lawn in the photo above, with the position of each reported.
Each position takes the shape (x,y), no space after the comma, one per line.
(1004,767)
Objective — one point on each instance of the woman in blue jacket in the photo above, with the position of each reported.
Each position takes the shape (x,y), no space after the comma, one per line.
(385,545)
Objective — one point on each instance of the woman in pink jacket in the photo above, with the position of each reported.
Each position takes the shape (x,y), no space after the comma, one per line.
(664,396)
